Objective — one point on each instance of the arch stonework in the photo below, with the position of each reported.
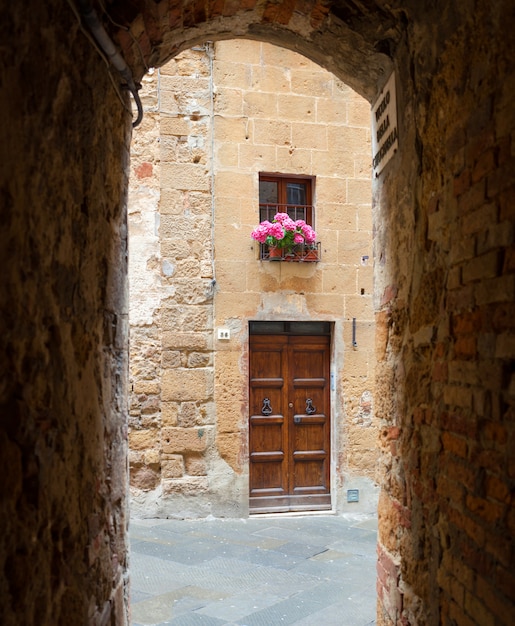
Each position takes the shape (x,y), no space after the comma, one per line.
(342,39)
(445,291)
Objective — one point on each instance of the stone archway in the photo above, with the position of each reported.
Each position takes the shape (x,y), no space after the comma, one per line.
(355,45)
(445,292)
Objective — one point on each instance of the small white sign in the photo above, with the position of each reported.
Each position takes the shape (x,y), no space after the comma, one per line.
(223,333)
(385,135)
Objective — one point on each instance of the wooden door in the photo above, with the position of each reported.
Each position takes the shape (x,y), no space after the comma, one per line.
(289,429)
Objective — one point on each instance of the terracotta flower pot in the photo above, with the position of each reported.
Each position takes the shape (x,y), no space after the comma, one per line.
(275,254)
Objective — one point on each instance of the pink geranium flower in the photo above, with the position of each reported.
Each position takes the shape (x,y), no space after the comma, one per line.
(283,232)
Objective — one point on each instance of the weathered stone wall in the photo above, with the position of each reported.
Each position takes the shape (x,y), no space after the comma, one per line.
(63,326)
(445,330)
(222,113)
(172,413)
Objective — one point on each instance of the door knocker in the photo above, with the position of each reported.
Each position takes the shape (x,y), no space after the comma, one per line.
(310,409)
(266,409)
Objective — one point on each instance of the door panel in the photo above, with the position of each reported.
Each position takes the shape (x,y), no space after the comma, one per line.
(289,428)
(267,431)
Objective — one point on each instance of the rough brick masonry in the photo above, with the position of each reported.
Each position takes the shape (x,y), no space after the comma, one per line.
(444,283)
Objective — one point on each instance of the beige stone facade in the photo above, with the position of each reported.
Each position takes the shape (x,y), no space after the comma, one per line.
(217,116)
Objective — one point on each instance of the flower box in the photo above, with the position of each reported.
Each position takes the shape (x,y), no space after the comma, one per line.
(285,239)
(311,253)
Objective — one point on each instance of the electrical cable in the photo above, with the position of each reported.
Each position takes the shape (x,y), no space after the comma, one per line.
(106,48)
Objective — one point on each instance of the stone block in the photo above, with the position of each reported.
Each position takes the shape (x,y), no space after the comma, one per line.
(270,79)
(309,136)
(339,279)
(170,359)
(229,417)
(357,365)
(363,168)
(232,130)
(186,486)
(232,243)
(297,107)
(185,176)
(146,387)
(169,413)
(256,157)
(232,74)
(198,341)
(152,457)
(173,467)
(327,161)
(333,190)
(262,105)
(191,318)
(360,191)
(181,385)
(144,439)
(294,160)
(199,359)
(195,466)
(333,112)
(272,132)
(324,304)
(236,185)
(171,202)
(176,440)
(366,279)
(226,155)
(276,55)
(176,125)
(244,51)
(358,111)
(229,102)
(194,86)
(229,276)
(500,289)
(312,81)
(365,220)
(189,415)
(481,267)
(360,307)
(351,249)
(353,140)
(230,446)
(187,268)
(145,478)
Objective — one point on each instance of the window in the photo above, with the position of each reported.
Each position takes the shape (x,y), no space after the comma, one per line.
(289,328)
(286,194)
(291,195)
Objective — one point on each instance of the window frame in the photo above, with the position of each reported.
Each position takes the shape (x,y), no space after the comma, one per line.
(282,181)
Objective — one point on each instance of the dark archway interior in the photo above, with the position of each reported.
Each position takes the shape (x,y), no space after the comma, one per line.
(445,292)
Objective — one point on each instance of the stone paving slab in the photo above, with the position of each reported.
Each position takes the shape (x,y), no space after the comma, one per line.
(307,570)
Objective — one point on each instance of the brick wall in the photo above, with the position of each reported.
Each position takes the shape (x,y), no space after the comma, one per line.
(63,327)
(445,345)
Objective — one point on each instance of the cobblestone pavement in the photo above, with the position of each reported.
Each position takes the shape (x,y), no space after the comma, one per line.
(262,571)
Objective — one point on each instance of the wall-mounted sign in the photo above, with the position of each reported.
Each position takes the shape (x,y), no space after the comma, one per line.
(385,135)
